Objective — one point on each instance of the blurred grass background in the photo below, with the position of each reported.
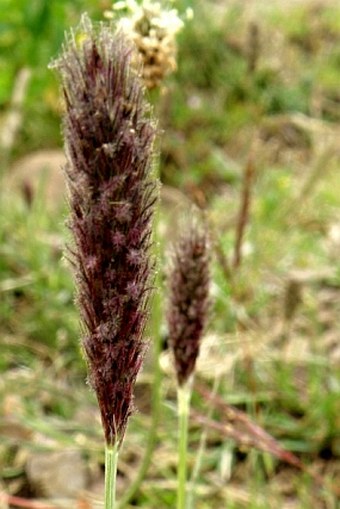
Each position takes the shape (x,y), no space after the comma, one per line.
(256,85)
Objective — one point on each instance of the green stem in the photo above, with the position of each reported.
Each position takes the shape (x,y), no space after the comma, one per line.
(111,460)
(12,122)
(199,456)
(183,401)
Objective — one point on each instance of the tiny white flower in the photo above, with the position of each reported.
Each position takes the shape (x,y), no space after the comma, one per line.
(153,30)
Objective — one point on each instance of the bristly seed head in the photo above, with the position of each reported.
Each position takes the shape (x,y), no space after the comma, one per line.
(109,135)
(188,299)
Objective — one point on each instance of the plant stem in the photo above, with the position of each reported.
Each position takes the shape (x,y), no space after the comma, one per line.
(201,448)
(111,460)
(243,216)
(13,120)
(183,401)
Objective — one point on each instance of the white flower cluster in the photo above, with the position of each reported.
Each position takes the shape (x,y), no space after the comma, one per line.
(153,30)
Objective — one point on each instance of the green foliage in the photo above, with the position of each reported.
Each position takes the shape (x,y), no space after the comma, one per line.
(36,286)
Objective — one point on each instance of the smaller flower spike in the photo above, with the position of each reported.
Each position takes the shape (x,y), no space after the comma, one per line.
(109,137)
(188,299)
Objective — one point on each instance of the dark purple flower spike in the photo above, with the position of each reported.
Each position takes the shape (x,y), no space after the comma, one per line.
(189,298)
(109,136)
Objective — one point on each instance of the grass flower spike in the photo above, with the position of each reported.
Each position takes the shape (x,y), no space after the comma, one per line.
(189,299)
(109,137)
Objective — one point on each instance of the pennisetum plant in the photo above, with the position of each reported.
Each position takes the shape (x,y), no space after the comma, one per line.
(109,135)
(187,315)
